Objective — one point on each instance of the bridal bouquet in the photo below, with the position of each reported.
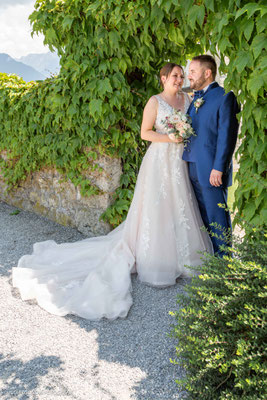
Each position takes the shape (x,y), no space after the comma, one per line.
(179,125)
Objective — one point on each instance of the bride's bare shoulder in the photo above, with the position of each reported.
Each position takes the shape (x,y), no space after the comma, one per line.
(152,103)
(153,100)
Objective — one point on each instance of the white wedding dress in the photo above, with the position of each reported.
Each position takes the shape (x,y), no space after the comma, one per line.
(92,278)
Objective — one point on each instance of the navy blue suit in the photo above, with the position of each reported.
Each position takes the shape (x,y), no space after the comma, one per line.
(216,127)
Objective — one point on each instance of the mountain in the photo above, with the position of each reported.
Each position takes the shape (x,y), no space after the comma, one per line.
(11,66)
(46,63)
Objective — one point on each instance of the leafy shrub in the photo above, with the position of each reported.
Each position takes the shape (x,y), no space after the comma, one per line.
(221,325)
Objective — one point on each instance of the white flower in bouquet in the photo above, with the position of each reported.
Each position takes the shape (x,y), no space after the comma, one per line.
(178,125)
(174,118)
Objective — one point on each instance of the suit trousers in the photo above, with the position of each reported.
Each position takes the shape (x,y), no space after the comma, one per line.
(208,199)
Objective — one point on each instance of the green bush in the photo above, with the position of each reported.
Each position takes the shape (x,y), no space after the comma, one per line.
(221,325)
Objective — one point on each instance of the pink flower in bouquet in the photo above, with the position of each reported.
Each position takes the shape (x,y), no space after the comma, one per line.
(179,125)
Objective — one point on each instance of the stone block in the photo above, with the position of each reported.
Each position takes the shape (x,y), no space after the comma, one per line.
(46,192)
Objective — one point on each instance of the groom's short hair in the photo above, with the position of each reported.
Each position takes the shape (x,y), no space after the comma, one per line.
(208,61)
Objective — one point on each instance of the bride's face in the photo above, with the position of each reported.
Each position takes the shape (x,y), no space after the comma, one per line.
(174,81)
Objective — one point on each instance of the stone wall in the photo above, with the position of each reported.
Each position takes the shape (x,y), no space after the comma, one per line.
(44,192)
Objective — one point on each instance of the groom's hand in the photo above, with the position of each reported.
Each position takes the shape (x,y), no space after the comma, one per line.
(216,178)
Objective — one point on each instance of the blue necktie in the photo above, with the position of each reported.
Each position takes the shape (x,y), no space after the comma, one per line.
(198,93)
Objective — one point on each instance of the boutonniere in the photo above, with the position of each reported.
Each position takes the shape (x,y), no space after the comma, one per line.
(198,103)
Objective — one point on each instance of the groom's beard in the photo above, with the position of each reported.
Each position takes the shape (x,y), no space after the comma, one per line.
(199,83)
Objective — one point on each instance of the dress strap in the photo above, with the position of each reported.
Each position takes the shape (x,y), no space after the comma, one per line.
(160,100)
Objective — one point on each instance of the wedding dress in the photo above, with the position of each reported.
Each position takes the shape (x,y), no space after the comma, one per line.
(92,278)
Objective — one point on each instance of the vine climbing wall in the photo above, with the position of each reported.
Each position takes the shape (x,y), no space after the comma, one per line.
(111,52)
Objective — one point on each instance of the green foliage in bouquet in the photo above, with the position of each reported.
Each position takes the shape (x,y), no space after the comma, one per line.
(221,325)
(111,52)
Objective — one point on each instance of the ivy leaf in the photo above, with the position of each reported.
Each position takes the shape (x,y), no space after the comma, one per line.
(263,9)
(71,64)
(71,110)
(248,29)
(116,81)
(244,59)
(95,107)
(115,135)
(175,35)
(254,85)
(249,8)
(186,5)
(258,113)
(114,39)
(104,86)
(196,13)
(260,195)
(103,66)
(93,7)
(223,22)
(263,214)
(67,22)
(167,5)
(249,209)
(224,43)
(115,101)
(122,205)
(258,44)
(157,15)
(51,35)
(123,65)
(58,100)
(209,5)
(261,24)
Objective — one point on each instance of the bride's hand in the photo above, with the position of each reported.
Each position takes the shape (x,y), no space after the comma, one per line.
(174,139)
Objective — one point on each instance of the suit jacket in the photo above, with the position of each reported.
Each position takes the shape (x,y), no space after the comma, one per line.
(216,127)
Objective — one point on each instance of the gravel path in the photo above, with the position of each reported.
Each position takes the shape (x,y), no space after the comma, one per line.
(43,356)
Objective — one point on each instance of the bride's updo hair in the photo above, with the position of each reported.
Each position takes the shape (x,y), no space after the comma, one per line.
(166,70)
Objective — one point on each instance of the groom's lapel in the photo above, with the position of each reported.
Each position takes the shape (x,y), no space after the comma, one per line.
(211,86)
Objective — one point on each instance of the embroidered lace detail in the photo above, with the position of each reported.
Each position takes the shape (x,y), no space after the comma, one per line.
(145,238)
(183,219)
(164,110)
(182,250)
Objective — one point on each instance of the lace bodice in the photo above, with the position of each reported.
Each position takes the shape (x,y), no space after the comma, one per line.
(165,109)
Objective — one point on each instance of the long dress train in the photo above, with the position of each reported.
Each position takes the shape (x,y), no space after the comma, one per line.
(92,278)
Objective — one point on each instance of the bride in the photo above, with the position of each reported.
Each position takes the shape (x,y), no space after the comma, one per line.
(92,278)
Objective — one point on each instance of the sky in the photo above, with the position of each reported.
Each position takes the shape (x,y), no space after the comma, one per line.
(15,29)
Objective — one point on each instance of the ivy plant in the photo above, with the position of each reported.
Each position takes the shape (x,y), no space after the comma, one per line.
(111,53)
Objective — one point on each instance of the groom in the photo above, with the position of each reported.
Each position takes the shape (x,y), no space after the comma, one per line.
(209,153)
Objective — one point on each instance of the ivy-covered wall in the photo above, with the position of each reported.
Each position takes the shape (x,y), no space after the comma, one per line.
(46,192)
(111,52)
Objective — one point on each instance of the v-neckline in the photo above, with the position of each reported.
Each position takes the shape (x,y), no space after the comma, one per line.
(172,106)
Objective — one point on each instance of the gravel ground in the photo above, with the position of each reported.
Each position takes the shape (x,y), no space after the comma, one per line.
(43,356)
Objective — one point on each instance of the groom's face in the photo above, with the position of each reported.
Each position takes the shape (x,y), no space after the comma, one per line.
(197,76)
